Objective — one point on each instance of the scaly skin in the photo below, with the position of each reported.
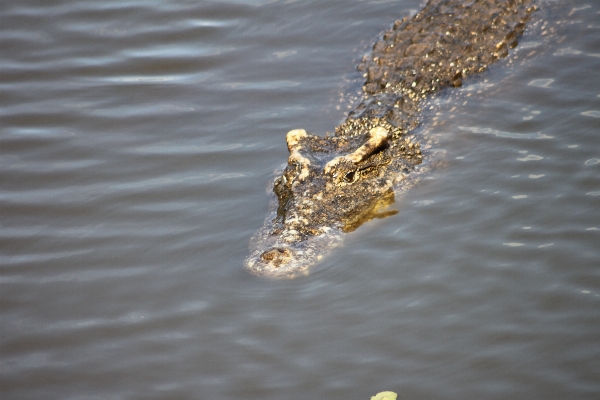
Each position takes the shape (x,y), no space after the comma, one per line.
(334,183)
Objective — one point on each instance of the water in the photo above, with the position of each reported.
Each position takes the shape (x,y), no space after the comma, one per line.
(137,141)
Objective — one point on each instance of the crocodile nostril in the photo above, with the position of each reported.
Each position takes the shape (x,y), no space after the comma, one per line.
(277,256)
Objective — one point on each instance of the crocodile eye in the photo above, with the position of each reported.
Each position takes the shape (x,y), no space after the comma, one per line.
(349,177)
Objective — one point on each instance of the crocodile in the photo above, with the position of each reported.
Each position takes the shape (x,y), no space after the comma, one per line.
(334,183)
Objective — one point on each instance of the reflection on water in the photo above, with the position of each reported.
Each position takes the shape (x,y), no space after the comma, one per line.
(138,140)
(381,209)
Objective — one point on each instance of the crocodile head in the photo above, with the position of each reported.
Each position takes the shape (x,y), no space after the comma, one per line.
(330,186)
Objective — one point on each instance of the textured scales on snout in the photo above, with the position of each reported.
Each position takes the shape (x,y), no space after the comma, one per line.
(334,183)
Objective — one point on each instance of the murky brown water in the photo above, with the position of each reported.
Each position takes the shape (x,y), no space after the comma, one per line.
(137,140)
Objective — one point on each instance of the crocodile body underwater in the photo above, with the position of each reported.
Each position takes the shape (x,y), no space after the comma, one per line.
(334,183)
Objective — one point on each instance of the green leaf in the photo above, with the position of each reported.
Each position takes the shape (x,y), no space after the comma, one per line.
(385,396)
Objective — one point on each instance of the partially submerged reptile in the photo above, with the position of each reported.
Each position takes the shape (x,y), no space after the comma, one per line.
(334,183)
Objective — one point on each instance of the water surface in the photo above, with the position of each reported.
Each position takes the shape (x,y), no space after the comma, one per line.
(137,141)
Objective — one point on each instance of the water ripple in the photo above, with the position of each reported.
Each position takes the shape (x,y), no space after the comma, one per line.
(511,135)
